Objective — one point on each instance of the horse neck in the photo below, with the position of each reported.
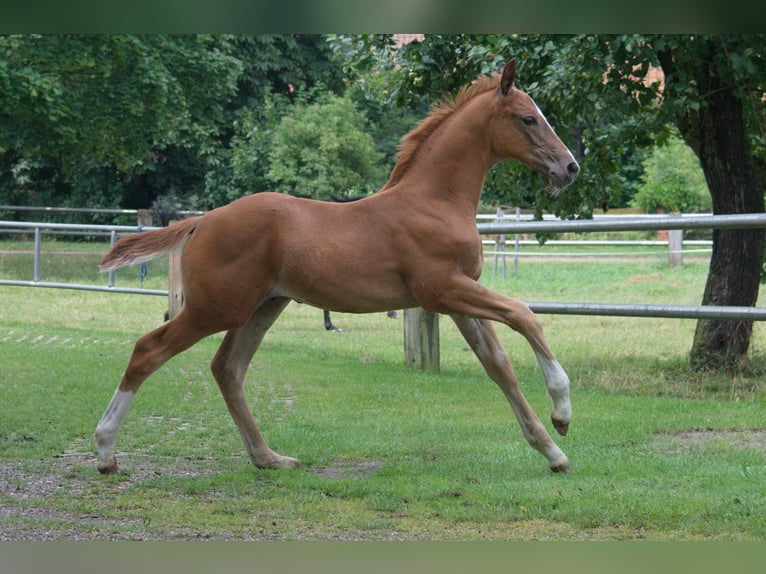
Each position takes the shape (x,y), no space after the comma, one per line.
(455,159)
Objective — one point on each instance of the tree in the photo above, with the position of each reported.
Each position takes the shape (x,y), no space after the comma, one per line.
(120,120)
(278,71)
(211,168)
(322,150)
(714,94)
(599,91)
(75,107)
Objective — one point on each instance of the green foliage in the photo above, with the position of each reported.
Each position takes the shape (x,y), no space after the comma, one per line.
(122,119)
(82,114)
(118,120)
(565,76)
(109,99)
(673,181)
(323,150)
(250,148)
(279,70)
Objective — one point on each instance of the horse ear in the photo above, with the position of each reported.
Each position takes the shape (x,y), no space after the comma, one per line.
(509,75)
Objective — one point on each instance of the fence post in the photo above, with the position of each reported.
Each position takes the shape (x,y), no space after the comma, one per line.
(38,239)
(145,218)
(175,286)
(499,241)
(421,339)
(675,247)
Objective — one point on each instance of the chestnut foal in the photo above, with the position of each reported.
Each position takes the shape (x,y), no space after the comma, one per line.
(413,243)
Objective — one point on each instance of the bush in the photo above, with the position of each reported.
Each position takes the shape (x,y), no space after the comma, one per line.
(673,181)
(323,150)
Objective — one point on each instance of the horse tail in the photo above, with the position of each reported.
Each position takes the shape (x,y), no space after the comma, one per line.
(141,247)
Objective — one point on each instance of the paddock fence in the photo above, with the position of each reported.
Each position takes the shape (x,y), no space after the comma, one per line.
(639,223)
(38,230)
(504,245)
(501,228)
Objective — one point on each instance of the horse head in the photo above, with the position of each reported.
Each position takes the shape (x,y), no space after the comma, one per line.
(523,133)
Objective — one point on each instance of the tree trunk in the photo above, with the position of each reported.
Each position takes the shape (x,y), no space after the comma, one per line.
(716,132)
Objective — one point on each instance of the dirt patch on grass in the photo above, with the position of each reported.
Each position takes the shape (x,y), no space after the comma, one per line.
(347,469)
(752,439)
(23,518)
(24,488)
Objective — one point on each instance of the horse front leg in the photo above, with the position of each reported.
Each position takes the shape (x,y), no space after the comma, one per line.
(328,323)
(520,318)
(108,427)
(557,384)
(481,337)
(469,299)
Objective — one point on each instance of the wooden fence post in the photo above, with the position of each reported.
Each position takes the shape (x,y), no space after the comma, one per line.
(145,217)
(421,339)
(675,247)
(175,286)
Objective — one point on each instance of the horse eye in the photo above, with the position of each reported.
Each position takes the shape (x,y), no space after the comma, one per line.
(529,120)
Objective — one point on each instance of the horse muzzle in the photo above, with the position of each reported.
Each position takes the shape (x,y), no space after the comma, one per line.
(560,178)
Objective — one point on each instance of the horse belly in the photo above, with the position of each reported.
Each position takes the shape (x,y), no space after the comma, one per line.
(345,285)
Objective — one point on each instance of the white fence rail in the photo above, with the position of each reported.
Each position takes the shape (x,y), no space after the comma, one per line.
(629,223)
(500,248)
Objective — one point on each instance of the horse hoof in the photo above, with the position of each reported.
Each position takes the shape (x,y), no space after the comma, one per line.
(561,426)
(290,463)
(110,469)
(279,462)
(562,467)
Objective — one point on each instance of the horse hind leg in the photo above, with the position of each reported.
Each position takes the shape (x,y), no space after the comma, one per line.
(149,354)
(482,338)
(229,368)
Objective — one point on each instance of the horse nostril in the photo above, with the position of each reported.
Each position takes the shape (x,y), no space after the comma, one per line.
(573,168)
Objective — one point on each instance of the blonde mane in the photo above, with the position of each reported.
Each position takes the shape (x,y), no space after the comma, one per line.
(411,142)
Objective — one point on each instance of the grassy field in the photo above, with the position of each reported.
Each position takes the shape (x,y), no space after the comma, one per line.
(659,452)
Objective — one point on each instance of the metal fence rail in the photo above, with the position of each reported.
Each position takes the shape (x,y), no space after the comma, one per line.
(84,287)
(655,311)
(617,223)
(89,210)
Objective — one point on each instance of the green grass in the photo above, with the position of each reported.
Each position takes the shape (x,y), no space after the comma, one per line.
(387,452)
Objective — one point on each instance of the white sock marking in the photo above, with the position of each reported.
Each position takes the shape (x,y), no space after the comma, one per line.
(106,430)
(557,383)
